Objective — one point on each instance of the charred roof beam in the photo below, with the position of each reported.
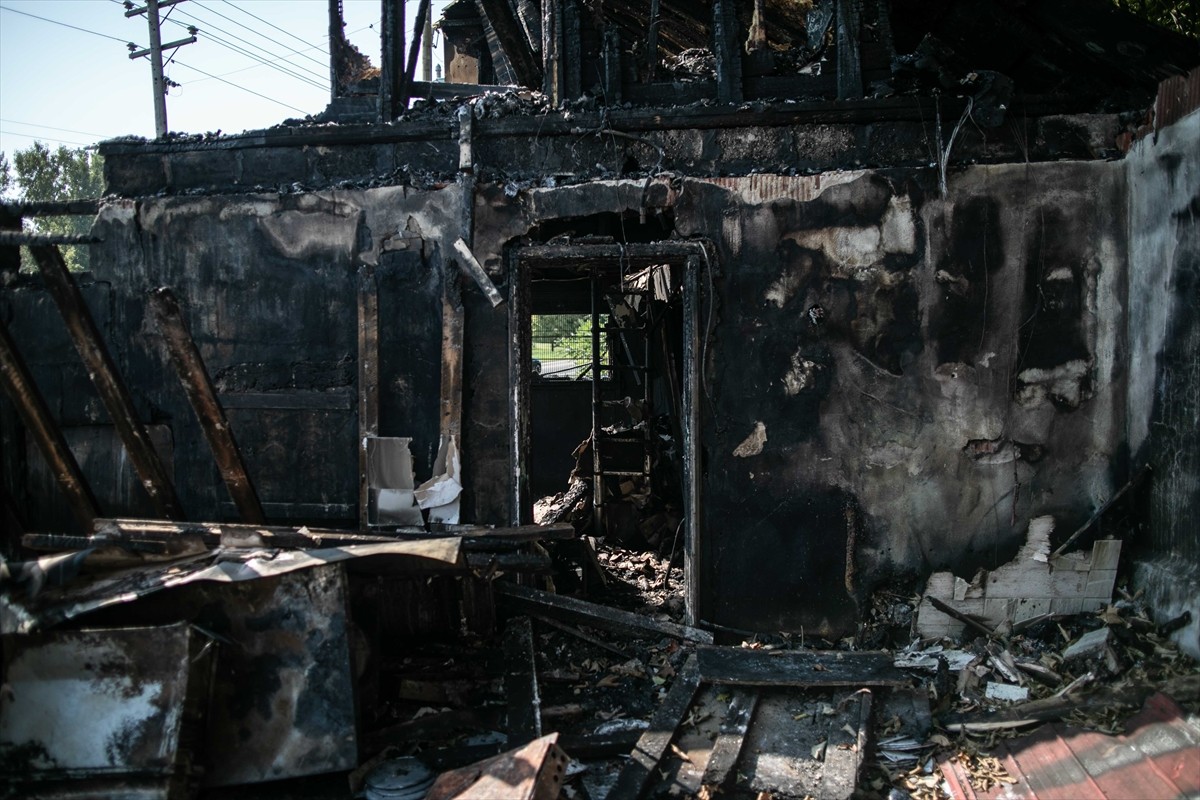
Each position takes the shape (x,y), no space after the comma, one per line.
(510,36)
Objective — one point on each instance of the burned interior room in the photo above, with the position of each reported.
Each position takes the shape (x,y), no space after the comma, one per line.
(755,398)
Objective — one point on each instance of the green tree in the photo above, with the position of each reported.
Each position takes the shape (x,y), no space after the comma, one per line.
(5,175)
(1179,15)
(41,174)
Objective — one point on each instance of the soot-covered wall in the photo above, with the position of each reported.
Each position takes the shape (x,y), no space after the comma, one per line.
(898,381)
(1164,335)
(895,381)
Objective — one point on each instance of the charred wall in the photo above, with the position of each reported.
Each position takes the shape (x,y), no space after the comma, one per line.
(894,381)
(1164,336)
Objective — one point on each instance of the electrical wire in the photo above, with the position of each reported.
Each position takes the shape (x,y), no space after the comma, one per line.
(65,25)
(48,139)
(49,127)
(276,27)
(318,62)
(208,29)
(243,88)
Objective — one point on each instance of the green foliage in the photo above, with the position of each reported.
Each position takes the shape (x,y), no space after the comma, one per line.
(40,174)
(5,174)
(1178,15)
(562,337)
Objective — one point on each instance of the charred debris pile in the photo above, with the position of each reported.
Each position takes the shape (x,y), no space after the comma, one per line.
(156,659)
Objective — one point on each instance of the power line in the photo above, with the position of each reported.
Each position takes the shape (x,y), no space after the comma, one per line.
(256,66)
(65,25)
(257,33)
(210,36)
(276,27)
(48,139)
(208,28)
(49,127)
(243,88)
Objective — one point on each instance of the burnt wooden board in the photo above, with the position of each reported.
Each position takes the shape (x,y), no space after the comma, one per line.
(654,741)
(741,667)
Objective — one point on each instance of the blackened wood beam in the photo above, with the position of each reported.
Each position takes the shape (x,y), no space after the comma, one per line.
(368,382)
(202,395)
(552,50)
(10,257)
(521,683)
(23,392)
(53,208)
(103,372)
(413,52)
(849,60)
(391,67)
(736,666)
(611,55)
(652,42)
(452,358)
(17,238)
(571,54)
(336,31)
(511,38)
(653,743)
(728,747)
(727,52)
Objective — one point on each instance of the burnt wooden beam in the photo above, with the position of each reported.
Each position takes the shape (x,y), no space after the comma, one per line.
(35,415)
(552,55)
(452,361)
(727,749)
(738,666)
(10,257)
(571,630)
(336,31)
(468,261)
(368,382)
(652,42)
(510,37)
(653,743)
(228,533)
(571,53)
(849,58)
(611,57)
(570,609)
(391,58)
(202,396)
(845,747)
(411,71)
(521,683)
(726,50)
(52,208)
(17,238)
(103,372)
(694,343)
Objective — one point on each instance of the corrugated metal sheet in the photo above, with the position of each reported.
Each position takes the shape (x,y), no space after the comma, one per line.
(1157,759)
(1177,97)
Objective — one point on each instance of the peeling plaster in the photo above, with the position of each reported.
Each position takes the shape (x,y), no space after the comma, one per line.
(802,374)
(752,445)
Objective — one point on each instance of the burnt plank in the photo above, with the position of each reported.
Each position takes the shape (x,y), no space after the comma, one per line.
(202,395)
(368,382)
(391,60)
(654,741)
(726,49)
(571,630)
(570,609)
(849,61)
(510,37)
(732,734)
(35,415)
(845,747)
(103,372)
(521,683)
(740,667)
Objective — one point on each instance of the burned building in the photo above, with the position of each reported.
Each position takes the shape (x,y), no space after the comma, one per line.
(851,293)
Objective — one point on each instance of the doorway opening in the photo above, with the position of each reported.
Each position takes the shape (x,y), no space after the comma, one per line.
(604,369)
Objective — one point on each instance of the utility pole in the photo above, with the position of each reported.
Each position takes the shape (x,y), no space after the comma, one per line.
(155,52)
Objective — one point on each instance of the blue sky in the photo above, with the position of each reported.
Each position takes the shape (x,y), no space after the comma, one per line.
(75,87)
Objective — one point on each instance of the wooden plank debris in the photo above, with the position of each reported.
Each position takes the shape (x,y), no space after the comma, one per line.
(570,609)
(743,667)
(103,372)
(521,683)
(728,746)
(571,630)
(510,37)
(476,271)
(35,414)
(846,747)
(849,60)
(231,534)
(202,395)
(654,742)
(15,238)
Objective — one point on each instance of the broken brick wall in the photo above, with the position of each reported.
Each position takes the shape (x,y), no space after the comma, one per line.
(1164,357)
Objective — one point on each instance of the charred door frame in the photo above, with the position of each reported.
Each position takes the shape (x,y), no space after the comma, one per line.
(690,254)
